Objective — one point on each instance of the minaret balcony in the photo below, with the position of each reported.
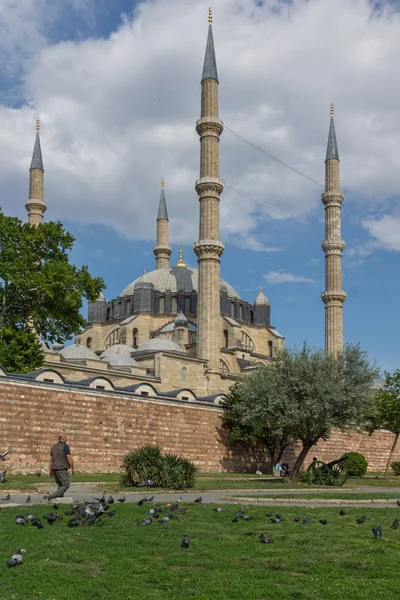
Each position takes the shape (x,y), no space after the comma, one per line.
(209,186)
(208,248)
(209,125)
(333,246)
(333,297)
(332,199)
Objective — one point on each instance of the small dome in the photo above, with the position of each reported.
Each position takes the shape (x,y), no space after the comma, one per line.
(57,347)
(181,320)
(121,360)
(101,298)
(261,299)
(143,282)
(117,349)
(159,344)
(76,351)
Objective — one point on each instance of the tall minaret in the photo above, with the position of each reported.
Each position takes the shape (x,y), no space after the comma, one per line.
(333,245)
(162,250)
(36,205)
(209,248)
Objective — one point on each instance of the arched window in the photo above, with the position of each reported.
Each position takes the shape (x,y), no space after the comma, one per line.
(187,305)
(161,305)
(128,307)
(88,342)
(223,367)
(241,312)
(174,304)
(232,309)
(247,342)
(184,375)
(226,338)
(135,336)
(251,317)
(271,348)
(112,339)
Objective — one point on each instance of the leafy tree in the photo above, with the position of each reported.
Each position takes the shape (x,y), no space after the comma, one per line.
(303,396)
(40,291)
(387,411)
(254,412)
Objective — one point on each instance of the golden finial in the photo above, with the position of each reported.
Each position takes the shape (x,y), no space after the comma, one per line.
(37,124)
(144,271)
(332,109)
(180,262)
(261,288)
(162,183)
(210,14)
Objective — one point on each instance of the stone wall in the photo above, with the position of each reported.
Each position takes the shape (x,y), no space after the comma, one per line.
(103,426)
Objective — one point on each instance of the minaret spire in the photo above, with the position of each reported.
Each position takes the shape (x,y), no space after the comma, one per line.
(36,205)
(162,250)
(333,246)
(209,248)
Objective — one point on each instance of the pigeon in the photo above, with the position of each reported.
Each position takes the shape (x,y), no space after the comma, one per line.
(51,518)
(270,514)
(121,499)
(3,456)
(110,500)
(185,541)
(38,473)
(164,520)
(174,506)
(247,518)
(199,499)
(46,497)
(219,509)
(342,513)
(7,498)
(20,521)
(30,517)
(361,520)
(16,558)
(27,501)
(323,521)
(377,531)
(3,477)
(152,511)
(111,513)
(147,483)
(69,513)
(75,522)
(182,511)
(306,521)
(102,499)
(276,519)
(398,502)
(265,540)
(147,521)
(37,523)
(142,501)
(150,499)
(395,523)
(258,472)
(296,519)
(55,506)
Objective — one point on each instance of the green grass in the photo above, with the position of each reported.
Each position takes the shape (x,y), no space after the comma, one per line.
(332,496)
(115,559)
(28,482)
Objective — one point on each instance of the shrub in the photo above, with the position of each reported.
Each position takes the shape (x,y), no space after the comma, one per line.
(166,470)
(306,477)
(355,463)
(395,467)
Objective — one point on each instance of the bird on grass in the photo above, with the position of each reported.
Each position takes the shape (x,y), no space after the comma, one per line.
(37,523)
(3,477)
(199,499)
(16,558)
(265,540)
(323,521)
(342,513)
(121,499)
(306,520)
(361,520)
(111,513)
(219,509)
(30,517)
(3,456)
(150,499)
(110,500)
(75,522)
(185,541)
(103,498)
(377,531)
(27,501)
(147,483)
(55,506)
(247,518)
(164,520)
(142,501)
(20,521)
(147,521)
(174,506)
(276,519)
(270,514)
(395,523)
(296,519)
(182,511)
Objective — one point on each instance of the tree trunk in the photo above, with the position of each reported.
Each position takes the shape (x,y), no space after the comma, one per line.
(294,475)
(389,460)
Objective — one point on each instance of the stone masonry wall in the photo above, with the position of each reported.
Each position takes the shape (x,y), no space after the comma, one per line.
(102,427)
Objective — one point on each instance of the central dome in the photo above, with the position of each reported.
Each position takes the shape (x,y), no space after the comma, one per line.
(175,279)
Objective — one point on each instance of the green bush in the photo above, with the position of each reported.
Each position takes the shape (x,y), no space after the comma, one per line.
(166,470)
(306,477)
(395,467)
(355,463)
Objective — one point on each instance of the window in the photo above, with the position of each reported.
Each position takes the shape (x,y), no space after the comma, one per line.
(226,338)
(232,309)
(241,312)
(174,304)
(223,367)
(112,339)
(135,338)
(161,305)
(100,387)
(251,317)
(144,393)
(88,342)
(185,398)
(187,305)
(271,349)
(184,375)
(128,307)
(247,342)
(48,380)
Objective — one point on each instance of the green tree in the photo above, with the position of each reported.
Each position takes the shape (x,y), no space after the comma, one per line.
(40,291)
(303,396)
(387,411)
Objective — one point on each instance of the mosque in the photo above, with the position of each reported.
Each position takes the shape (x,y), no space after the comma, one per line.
(179,330)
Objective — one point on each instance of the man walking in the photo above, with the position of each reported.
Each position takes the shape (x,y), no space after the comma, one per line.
(60,462)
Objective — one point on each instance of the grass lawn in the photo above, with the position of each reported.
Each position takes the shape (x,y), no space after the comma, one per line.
(314,495)
(116,560)
(28,482)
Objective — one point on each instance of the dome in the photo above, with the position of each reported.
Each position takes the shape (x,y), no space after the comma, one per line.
(117,349)
(121,360)
(181,320)
(174,279)
(261,299)
(101,298)
(159,344)
(76,351)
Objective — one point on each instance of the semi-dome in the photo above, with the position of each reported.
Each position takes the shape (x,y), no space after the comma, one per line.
(121,360)
(175,279)
(76,351)
(117,349)
(159,344)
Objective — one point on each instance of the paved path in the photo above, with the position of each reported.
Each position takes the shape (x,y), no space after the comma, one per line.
(79,492)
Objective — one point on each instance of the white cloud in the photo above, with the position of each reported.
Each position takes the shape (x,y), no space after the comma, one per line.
(119,113)
(385,230)
(277,277)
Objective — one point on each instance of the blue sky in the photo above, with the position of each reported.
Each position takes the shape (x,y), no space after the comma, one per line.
(116,86)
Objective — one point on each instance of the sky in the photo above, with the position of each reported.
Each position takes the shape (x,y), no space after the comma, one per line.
(117,88)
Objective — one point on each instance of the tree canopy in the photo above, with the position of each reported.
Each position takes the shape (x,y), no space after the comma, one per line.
(302,395)
(41,293)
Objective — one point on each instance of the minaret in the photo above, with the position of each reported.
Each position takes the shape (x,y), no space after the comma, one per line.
(333,245)
(209,248)
(36,205)
(162,250)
